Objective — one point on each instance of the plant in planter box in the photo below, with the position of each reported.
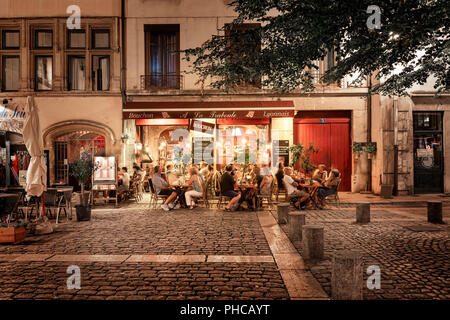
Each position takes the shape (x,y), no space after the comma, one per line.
(357,149)
(82,169)
(371,149)
(12,233)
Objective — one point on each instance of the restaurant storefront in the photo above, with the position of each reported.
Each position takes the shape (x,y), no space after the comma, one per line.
(217,133)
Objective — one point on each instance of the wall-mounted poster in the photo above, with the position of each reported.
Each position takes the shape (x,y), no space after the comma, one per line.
(106,172)
(281,152)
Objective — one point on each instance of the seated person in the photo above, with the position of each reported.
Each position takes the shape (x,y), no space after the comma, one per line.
(320,174)
(125,186)
(227,184)
(280,175)
(137,174)
(204,171)
(291,188)
(162,188)
(195,188)
(172,179)
(329,187)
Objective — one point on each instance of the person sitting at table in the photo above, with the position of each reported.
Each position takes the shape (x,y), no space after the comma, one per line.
(279,176)
(227,184)
(204,170)
(291,188)
(125,177)
(195,188)
(320,174)
(329,187)
(162,188)
(172,179)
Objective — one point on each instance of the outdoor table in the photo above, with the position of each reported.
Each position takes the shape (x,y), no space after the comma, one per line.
(312,189)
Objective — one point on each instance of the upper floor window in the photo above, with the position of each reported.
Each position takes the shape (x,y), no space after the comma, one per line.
(162,58)
(100,39)
(244,46)
(77,67)
(10,73)
(43,39)
(100,73)
(10,39)
(44,73)
(76,39)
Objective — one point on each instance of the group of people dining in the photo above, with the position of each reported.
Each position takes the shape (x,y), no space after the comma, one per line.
(243,185)
(307,192)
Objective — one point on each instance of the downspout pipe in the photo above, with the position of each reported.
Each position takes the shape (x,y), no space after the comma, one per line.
(395,189)
(369,133)
(123,71)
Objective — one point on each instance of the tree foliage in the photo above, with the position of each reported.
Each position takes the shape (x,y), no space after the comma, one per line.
(293,33)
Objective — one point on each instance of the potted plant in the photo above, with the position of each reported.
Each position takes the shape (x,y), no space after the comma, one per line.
(357,149)
(124,137)
(12,233)
(371,149)
(300,153)
(82,169)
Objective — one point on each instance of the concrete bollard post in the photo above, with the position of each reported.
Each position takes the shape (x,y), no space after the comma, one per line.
(296,223)
(434,211)
(363,213)
(312,242)
(347,276)
(283,211)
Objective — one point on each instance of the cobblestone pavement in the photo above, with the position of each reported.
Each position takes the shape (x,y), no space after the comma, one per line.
(135,230)
(99,281)
(414,264)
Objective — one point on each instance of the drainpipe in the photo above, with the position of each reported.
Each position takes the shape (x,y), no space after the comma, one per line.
(369,132)
(395,190)
(123,68)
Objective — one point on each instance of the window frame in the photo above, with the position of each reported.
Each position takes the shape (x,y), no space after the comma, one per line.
(94,31)
(35,72)
(4,31)
(100,56)
(3,58)
(36,38)
(69,32)
(69,57)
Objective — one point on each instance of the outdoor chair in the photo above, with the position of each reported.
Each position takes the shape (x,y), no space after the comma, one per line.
(222,198)
(335,195)
(51,201)
(204,199)
(65,202)
(266,196)
(154,197)
(10,205)
(280,189)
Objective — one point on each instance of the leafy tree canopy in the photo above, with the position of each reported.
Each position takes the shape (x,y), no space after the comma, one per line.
(292,34)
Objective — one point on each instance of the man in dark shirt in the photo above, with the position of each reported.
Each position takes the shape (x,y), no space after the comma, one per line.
(227,186)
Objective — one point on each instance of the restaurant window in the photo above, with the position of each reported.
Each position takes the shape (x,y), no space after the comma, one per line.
(10,73)
(100,39)
(76,79)
(244,46)
(77,39)
(162,56)
(44,72)
(10,39)
(44,39)
(100,73)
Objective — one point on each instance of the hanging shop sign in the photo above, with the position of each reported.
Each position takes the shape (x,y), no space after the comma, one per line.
(201,126)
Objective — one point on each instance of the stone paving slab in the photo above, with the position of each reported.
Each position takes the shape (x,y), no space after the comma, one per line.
(166,258)
(88,258)
(32,257)
(240,259)
(302,285)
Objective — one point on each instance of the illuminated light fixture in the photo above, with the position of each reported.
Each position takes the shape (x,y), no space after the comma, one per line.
(237,132)
(147,149)
(248,131)
(163,144)
(244,141)
(268,147)
(139,146)
(160,148)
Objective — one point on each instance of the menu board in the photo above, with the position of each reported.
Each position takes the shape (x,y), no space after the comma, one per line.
(106,170)
(281,151)
(203,149)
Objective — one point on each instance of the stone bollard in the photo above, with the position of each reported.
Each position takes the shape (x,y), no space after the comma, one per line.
(435,212)
(347,276)
(283,212)
(296,223)
(363,213)
(312,242)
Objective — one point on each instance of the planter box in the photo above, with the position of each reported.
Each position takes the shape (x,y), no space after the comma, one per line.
(12,235)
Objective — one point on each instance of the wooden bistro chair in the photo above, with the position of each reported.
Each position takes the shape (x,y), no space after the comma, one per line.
(154,197)
(65,203)
(51,201)
(336,195)
(267,196)
(204,199)
(222,198)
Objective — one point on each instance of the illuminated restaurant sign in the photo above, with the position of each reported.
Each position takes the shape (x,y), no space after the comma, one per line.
(252,114)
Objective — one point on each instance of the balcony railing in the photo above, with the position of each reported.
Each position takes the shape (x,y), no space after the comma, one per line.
(161,81)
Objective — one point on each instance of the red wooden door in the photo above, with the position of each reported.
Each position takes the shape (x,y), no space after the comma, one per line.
(332,137)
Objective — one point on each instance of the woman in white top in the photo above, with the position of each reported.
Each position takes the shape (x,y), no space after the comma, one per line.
(195,188)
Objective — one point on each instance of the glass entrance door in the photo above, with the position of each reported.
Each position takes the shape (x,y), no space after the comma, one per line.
(428,152)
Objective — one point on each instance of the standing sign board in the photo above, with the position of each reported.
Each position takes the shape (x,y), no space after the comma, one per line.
(280,151)
(104,179)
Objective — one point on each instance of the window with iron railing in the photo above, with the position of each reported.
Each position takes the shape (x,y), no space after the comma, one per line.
(162,57)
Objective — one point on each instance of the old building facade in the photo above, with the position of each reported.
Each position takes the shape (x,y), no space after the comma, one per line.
(74,75)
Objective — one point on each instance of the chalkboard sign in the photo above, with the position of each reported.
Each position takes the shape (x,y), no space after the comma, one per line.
(280,151)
